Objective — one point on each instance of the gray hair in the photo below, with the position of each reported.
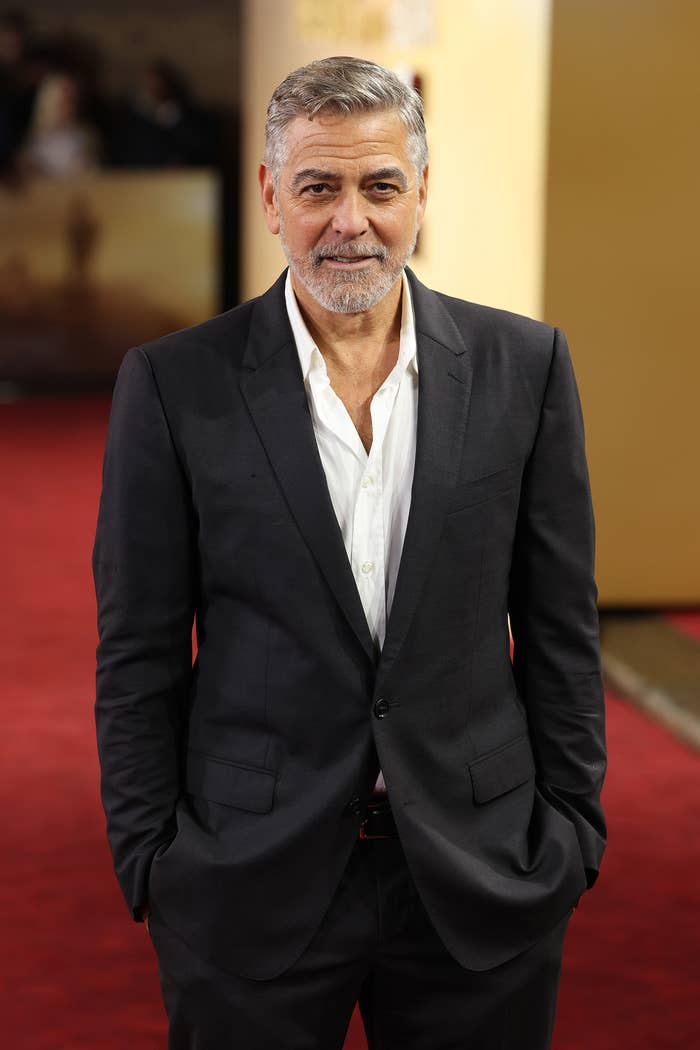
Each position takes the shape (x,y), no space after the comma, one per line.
(342,86)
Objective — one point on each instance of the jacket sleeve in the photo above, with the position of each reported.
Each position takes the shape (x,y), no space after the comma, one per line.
(554,618)
(143,572)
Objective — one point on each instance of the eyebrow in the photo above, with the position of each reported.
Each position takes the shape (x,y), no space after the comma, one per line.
(313,175)
(320,175)
(388,174)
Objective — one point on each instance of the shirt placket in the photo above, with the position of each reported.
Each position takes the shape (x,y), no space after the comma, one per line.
(369,553)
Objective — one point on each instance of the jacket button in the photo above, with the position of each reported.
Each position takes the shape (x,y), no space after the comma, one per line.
(355,805)
(381,708)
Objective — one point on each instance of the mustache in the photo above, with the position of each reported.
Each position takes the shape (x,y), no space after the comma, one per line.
(348,250)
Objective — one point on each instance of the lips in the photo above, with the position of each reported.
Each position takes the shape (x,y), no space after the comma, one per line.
(349,258)
(349,253)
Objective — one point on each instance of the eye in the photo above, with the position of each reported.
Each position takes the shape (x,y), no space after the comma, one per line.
(316,189)
(383,189)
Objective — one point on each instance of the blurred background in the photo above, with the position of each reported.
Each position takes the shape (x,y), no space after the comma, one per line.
(564,182)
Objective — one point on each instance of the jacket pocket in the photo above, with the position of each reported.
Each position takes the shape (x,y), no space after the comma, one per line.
(468,493)
(502,770)
(229,783)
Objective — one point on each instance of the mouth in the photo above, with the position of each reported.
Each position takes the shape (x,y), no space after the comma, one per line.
(349,262)
(349,257)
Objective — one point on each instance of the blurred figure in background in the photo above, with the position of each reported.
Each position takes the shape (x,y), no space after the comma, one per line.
(60,141)
(159,125)
(18,83)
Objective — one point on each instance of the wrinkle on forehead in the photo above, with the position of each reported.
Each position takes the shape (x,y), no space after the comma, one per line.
(350,138)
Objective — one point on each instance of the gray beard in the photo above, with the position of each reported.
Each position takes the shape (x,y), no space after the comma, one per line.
(351,292)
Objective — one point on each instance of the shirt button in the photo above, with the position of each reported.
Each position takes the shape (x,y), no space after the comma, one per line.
(367,566)
(380,708)
(366,481)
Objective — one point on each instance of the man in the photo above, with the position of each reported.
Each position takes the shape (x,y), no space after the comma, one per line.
(350,482)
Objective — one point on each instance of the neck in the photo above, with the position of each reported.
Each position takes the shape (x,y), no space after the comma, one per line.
(361,345)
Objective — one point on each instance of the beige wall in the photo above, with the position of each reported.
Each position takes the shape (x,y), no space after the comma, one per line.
(622,278)
(484,69)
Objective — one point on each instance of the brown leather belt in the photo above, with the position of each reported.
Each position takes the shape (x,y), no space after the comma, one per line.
(378,821)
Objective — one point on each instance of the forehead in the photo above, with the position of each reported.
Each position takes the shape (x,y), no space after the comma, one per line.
(360,138)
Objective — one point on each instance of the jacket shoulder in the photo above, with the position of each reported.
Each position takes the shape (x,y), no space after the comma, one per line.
(500,326)
(225,334)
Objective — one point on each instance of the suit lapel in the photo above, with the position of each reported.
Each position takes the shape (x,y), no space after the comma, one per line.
(273,388)
(444,388)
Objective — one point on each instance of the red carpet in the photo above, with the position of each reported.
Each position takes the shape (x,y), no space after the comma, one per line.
(687,622)
(80,974)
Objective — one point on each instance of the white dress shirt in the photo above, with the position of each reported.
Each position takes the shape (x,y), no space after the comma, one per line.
(370,493)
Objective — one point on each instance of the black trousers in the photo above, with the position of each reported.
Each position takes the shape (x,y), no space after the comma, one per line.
(375,945)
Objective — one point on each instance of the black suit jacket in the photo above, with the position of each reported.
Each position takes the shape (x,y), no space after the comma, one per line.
(233,787)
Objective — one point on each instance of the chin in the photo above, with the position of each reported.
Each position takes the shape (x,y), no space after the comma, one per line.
(345,297)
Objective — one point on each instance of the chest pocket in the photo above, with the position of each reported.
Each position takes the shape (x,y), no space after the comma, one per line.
(488,486)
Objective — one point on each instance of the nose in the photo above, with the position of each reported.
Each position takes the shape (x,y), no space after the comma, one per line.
(350,215)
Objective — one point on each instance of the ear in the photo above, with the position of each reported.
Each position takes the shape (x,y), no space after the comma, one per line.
(269,199)
(422,195)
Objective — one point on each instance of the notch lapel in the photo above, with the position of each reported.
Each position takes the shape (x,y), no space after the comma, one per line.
(444,389)
(273,388)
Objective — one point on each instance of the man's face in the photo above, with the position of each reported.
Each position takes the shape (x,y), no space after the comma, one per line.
(348,207)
